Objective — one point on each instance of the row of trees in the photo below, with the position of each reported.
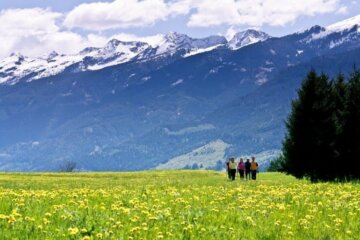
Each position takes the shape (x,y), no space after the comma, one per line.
(323,130)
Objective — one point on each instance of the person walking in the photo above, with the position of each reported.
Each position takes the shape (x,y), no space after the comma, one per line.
(232,167)
(228,168)
(241,169)
(253,167)
(247,169)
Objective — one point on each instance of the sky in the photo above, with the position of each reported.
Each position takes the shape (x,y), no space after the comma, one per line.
(37,27)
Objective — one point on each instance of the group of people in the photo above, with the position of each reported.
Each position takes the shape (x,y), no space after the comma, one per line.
(247,169)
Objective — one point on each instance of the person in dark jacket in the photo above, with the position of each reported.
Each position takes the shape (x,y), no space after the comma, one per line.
(228,168)
(247,169)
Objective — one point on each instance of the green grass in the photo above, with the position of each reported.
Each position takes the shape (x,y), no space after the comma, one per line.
(175,205)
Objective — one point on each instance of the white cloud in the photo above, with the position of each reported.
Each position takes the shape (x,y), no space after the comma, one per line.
(230,33)
(101,16)
(31,21)
(202,13)
(35,31)
(20,26)
(38,31)
(259,12)
(182,7)
(117,14)
(342,10)
(96,40)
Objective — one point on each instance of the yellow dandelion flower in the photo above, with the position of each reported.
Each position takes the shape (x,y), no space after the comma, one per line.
(46,221)
(73,231)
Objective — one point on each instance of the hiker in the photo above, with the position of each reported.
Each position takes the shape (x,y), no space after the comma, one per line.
(241,169)
(228,168)
(247,169)
(232,167)
(253,167)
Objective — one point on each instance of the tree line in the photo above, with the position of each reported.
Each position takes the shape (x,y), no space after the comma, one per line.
(322,142)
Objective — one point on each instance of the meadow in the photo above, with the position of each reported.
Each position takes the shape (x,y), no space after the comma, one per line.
(175,205)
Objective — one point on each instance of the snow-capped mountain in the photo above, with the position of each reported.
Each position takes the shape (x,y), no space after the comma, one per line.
(344,25)
(336,34)
(115,52)
(18,67)
(158,103)
(250,36)
(174,42)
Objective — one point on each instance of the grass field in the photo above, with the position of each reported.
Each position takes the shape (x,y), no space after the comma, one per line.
(175,205)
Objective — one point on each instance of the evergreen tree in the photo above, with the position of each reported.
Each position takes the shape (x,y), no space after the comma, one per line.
(276,164)
(308,147)
(351,129)
(323,130)
(195,166)
(339,94)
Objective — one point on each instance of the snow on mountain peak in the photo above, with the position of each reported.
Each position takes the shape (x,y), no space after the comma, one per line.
(250,36)
(346,24)
(174,41)
(112,45)
(115,46)
(16,66)
(52,55)
(89,50)
(175,37)
(349,29)
(115,52)
(17,56)
(171,42)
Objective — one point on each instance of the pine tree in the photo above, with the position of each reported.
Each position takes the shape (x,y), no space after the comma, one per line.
(351,129)
(309,144)
(323,130)
(339,94)
(276,164)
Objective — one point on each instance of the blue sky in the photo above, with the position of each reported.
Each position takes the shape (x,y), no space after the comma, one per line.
(35,27)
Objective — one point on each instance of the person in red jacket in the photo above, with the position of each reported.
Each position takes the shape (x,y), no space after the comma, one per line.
(241,168)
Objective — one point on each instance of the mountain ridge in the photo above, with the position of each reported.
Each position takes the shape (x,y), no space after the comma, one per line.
(17,66)
(142,113)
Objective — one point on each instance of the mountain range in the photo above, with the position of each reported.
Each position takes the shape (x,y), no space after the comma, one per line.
(181,103)
(17,67)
